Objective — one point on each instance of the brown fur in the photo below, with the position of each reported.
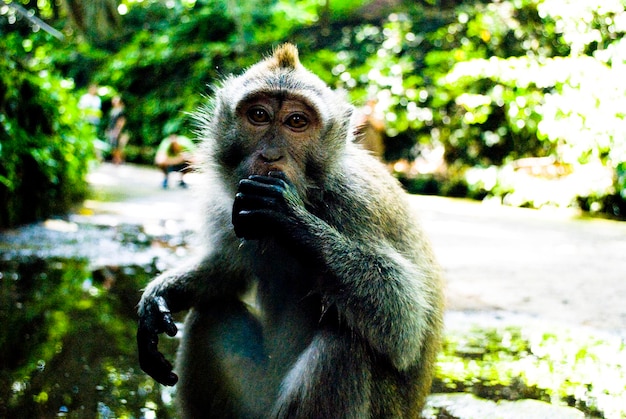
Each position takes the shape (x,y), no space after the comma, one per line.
(285,56)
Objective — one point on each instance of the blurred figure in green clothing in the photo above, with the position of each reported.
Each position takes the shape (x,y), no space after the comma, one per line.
(175,154)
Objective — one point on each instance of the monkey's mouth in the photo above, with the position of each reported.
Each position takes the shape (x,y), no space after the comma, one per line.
(265,169)
(273,169)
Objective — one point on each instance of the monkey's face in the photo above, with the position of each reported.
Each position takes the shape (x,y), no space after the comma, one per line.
(272,131)
(279,133)
(278,116)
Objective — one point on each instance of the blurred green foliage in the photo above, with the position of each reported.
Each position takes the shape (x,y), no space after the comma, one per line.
(45,147)
(468,90)
(559,95)
(491,85)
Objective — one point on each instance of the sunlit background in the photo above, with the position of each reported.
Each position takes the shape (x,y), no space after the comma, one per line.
(519,103)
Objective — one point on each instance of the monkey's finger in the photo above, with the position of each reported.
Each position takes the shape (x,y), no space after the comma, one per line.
(271,176)
(276,174)
(167,322)
(160,369)
(151,360)
(262,221)
(246,226)
(169,326)
(253,201)
(253,186)
(275,177)
(258,223)
(280,179)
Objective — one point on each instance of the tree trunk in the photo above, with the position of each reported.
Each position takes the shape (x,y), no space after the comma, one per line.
(97,20)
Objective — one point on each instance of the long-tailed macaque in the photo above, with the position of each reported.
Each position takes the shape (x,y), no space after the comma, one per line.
(348,315)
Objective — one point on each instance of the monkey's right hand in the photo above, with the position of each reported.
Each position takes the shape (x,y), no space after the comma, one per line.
(155,318)
(266,206)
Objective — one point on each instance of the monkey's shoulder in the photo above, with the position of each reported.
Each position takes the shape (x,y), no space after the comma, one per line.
(368,200)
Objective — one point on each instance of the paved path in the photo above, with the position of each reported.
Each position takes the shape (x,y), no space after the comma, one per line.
(544,264)
(501,261)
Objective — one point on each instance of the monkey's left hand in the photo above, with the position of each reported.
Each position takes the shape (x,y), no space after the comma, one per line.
(155,318)
(267,206)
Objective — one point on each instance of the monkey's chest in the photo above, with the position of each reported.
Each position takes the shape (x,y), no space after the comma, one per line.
(284,282)
(279,272)
(289,307)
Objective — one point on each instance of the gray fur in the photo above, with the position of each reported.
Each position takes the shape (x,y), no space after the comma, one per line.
(348,327)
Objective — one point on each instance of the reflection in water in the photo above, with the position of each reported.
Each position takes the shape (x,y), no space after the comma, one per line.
(67,308)
(68,344)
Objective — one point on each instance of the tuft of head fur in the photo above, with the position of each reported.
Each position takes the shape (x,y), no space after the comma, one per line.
(285,56)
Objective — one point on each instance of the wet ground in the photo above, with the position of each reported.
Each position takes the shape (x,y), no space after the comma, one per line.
(547,266)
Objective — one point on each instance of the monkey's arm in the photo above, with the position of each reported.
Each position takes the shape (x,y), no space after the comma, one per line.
(170,291)
(384,294)
(175,291)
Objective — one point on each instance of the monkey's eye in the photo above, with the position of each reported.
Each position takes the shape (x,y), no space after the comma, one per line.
(258,115)
(297,122)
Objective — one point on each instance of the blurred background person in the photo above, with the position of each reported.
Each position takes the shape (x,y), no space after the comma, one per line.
(175,154)
(115,134)
(91,105)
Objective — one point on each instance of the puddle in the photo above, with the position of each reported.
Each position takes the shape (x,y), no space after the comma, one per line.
(514,358)
(99,239)
(68,342)
(68,292)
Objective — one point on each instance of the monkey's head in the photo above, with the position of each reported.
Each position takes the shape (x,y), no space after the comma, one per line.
(277,116)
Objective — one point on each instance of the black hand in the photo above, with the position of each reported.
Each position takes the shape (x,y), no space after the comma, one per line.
(156,319)
(265,206)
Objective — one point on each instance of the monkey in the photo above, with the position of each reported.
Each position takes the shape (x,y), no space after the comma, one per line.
(347,316)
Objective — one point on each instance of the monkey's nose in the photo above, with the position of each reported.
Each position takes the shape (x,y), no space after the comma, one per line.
(271,156)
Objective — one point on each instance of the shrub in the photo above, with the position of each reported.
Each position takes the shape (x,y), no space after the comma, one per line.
(45,147)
